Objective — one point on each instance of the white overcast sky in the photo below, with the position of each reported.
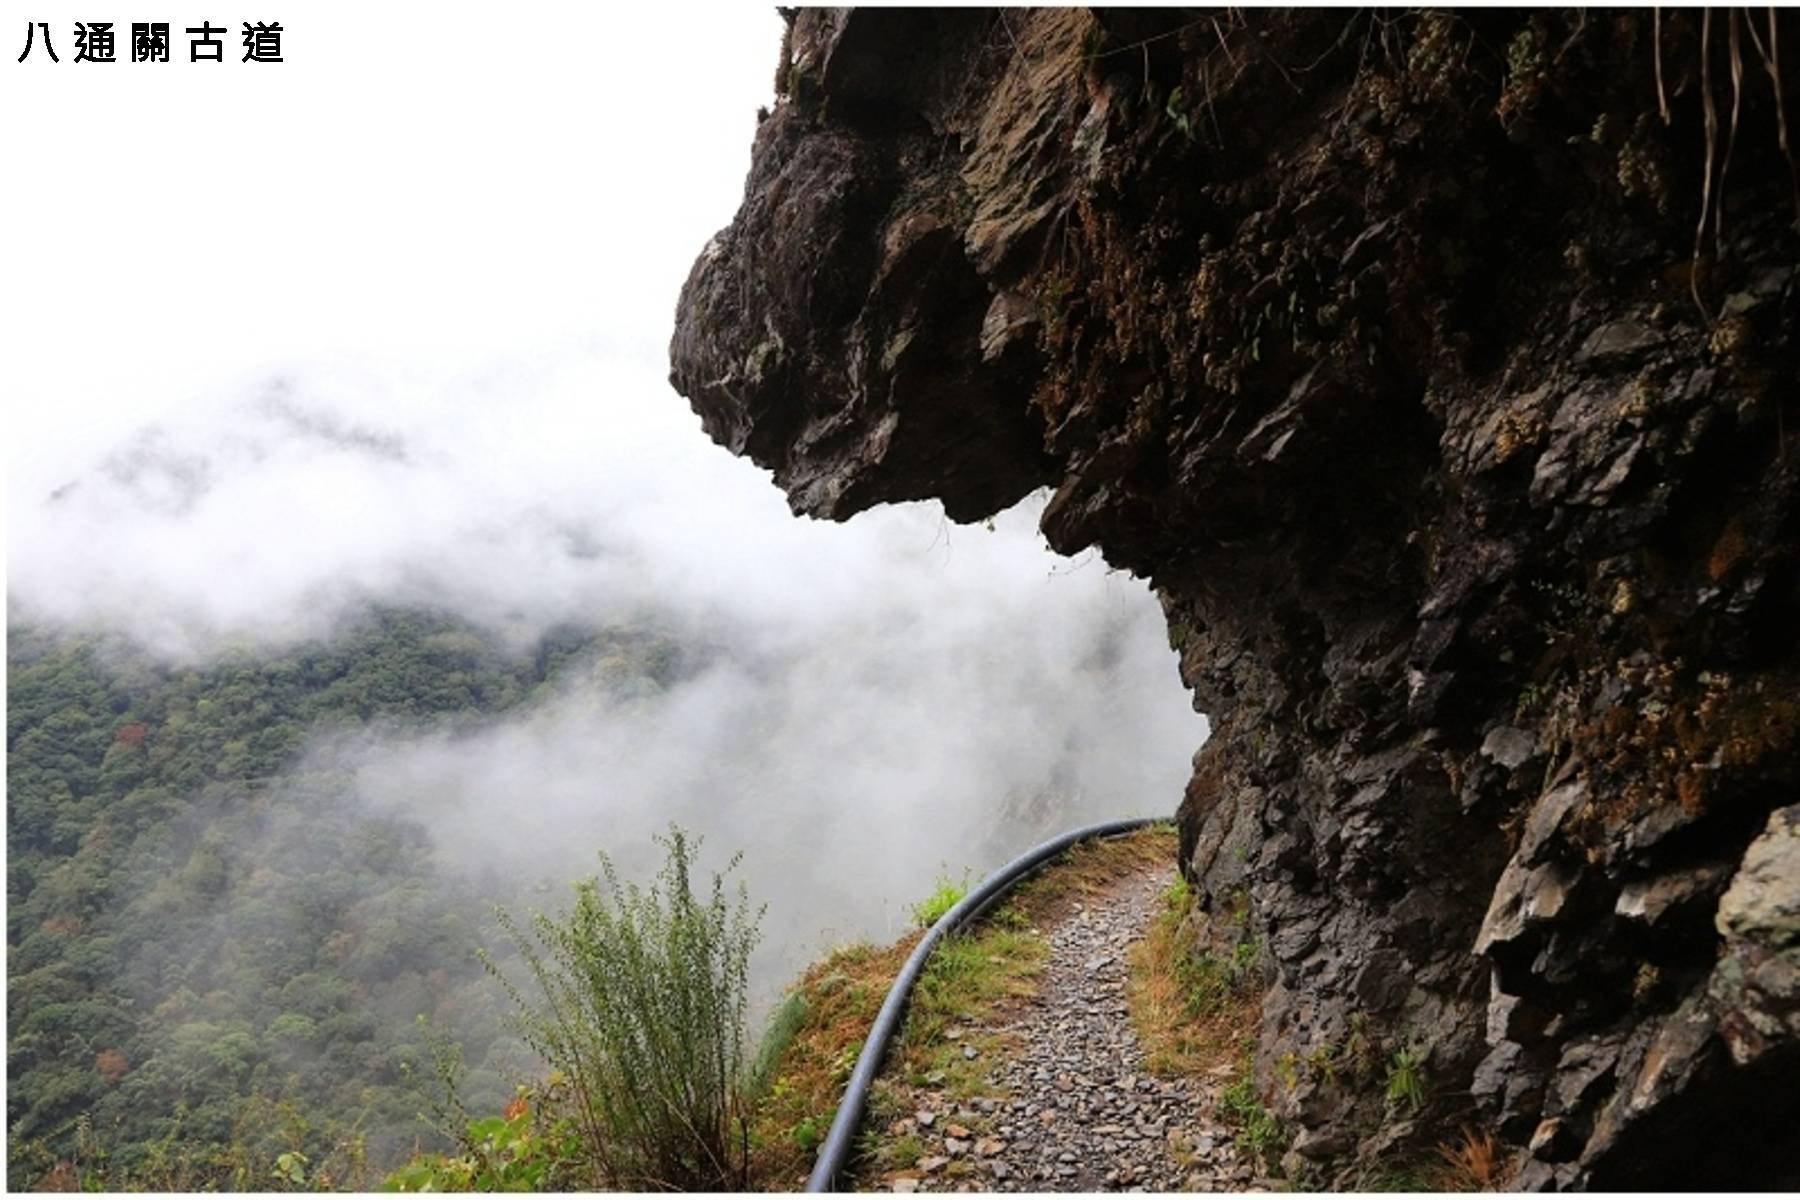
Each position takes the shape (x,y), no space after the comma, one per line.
(391,318)
(415,182)
(459,227)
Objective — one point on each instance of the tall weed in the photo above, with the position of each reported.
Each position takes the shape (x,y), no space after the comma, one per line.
(642,1011)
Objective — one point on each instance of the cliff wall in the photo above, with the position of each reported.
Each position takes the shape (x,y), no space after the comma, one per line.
(1380,344)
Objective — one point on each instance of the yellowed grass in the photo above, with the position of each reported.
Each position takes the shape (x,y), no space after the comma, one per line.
(1087,870)
(842,993)
(970,984)
(1176,1041)
(1473,1163)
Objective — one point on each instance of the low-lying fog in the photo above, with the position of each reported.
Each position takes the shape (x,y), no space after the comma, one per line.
(414,354)
(881,700)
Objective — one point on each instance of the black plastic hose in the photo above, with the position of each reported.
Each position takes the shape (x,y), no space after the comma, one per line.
(836,1148)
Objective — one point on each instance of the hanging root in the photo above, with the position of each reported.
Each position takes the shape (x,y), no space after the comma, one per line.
(1737,95)
(1770,54)
(1774,65)
(1771,60)
(1712,146)
(1662,95)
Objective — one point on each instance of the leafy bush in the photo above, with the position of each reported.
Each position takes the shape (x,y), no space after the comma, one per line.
(943,898)
(643,1009)
(526,1149)
(1405,1080)
(808,1132)
(1258,1133)
(1210,982)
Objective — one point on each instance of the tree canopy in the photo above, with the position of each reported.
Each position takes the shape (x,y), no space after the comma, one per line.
(215,954)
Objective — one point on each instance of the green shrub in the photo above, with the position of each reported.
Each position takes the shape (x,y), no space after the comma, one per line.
(905,1151)
(1212,981)
(290,1169)
(943,898)
(526,1149)
(1405,1081)
(642,1012)
(1258,1134)
(808,1132)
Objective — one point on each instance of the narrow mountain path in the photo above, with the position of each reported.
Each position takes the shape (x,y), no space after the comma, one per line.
(1073,1106)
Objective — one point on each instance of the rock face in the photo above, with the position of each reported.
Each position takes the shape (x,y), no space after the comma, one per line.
(1379,345)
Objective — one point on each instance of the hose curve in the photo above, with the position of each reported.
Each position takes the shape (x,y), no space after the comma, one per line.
(835,1150)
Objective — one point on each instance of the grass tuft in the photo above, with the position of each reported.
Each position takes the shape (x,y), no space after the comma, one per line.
(943,898)
(784,1023)
(838,998)
(1189,1008)
(1473,1163)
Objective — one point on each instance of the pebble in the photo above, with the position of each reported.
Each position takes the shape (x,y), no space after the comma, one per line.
(1081,1112)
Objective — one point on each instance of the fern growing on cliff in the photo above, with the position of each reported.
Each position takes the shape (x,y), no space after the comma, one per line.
(642,1012)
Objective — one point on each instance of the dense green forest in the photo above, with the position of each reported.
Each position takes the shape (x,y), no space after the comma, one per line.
(215,956)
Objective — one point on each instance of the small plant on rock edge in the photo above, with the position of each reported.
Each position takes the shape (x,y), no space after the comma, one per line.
(943,898)
(1258,1132)
(1405,1080)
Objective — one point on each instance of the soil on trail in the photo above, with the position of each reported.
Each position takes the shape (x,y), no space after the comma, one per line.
(1073,1107)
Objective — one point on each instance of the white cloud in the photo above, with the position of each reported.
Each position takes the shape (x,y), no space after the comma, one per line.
(388,320)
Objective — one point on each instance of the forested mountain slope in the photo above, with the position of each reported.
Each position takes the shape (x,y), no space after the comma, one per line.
(214,955)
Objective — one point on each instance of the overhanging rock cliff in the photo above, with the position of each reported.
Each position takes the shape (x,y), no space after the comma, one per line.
(1380,344)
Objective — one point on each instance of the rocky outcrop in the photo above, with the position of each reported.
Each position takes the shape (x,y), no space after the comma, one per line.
(1380,345)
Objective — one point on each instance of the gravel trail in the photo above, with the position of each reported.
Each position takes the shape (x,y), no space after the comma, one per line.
(1076,1109)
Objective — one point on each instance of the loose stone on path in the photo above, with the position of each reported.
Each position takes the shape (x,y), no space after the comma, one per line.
(1080,1110)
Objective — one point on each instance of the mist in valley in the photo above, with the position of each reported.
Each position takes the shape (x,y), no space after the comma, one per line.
(445,394)
(867,705)
(858,710)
